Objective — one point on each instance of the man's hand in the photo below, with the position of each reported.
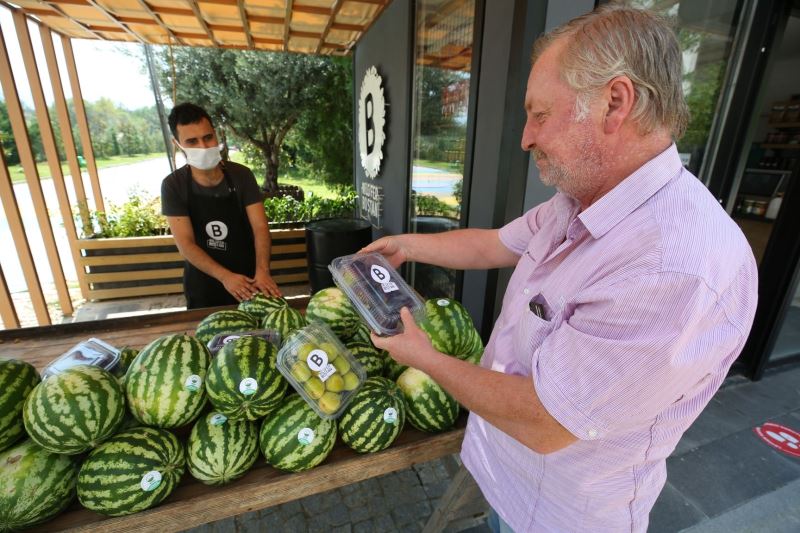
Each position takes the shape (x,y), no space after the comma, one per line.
(411,348)
(391,248)
(264,283)
(241,287)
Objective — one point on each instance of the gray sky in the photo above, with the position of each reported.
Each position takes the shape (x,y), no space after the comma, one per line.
(105,69)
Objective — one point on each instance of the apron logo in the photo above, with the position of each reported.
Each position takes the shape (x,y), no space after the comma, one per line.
(217,231)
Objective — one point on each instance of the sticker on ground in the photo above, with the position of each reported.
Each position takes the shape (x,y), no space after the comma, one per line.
(780,437)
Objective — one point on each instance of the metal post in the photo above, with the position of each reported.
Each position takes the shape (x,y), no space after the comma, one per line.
(148,54)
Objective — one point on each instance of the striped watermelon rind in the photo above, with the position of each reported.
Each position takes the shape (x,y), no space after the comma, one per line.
(375,416)
(393,369)
(259,306)
(225,321)
(126,356)
(132,471)
(373,360)
(332,307)
(75,410)
(294,438)
(35,485)
(17,380)
(448,325)
(165,383)
(430,407)
(285,321)
(220,450)
(243,382)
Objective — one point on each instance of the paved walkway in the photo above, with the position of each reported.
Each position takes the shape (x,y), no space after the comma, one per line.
(721,478)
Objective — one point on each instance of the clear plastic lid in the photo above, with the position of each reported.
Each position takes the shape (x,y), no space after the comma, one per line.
(221,339)
(92,352)
(376,290)
(320,369)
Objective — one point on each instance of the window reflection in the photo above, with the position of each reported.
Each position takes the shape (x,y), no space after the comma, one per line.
(443,60)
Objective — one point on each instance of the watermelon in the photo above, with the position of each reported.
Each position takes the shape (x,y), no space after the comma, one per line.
(430,408)
(393,369)
(361,334)
(448,325)
(164,385)
(35,485)
(285,321)
(126,357)
(227,321)
(295,438)
(220,450)
(17,380)
(372,359)
(75,410)
(259,306)
(243,382)
(132,471)
(375,416)
(332,307)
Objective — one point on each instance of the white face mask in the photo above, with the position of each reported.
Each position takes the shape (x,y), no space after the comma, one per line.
(202,158)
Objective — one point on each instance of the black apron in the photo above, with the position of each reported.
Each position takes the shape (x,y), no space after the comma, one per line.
(222,230)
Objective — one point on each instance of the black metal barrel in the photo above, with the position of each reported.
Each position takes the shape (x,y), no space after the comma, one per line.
(331,238)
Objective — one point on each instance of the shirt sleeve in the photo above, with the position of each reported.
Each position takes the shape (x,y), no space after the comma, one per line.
(630,350)
(251,193)
(174,202)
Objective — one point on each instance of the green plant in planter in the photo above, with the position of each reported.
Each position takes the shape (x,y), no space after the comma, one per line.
(287,209)
(137,217)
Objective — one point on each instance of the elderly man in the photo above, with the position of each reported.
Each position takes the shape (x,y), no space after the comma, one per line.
(633,291)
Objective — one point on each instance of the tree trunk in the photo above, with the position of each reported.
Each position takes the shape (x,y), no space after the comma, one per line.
(270,185)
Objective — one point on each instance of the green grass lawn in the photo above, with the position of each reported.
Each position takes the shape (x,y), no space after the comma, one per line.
(440,165)
(18,176)
(309,185)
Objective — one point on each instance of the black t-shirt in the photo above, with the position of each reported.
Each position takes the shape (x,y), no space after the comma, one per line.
(175,201)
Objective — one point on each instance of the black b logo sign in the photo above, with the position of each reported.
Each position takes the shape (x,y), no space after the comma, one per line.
(370,125)
(217,230)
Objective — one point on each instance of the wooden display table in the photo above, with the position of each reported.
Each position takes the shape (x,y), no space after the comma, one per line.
(192,503)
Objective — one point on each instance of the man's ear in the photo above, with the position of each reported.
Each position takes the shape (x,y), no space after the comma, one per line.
(620,97)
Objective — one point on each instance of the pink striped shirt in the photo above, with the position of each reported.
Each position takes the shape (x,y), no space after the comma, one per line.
(649,295)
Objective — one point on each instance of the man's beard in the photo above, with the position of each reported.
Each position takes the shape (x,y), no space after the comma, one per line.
(574,179)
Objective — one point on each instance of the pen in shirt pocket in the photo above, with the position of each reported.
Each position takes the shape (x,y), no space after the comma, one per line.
(537,307)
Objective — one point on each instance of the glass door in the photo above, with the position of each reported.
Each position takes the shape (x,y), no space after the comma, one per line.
(443,62)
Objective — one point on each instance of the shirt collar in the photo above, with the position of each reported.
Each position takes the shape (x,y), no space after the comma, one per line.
(631,192)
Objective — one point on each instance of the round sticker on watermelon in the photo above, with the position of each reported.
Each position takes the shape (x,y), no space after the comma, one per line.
(248,386)
(193,383)
(390,415)
(305,436)
(443,302)
(151,481)
(217,419)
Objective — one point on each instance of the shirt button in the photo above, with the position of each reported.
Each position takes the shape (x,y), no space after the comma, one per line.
(526,291)
(592,433)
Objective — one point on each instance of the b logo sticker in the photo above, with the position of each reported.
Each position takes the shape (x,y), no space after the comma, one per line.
(217,230)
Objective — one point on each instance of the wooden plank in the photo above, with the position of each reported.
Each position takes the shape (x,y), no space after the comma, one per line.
(127,292)
(126,242)
(202,21)
(283,279)
(8,313)
(288,263)
(245,23)
(287,27)
(278,234)
(158,21)
(130,259)
(22,140)
(288,249)
(133,275)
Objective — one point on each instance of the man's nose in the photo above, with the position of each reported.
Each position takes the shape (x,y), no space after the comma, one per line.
(528,136)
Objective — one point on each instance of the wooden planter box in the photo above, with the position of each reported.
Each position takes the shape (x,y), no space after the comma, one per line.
(144,266)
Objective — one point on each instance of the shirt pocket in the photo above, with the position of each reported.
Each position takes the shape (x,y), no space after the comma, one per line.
(531,332)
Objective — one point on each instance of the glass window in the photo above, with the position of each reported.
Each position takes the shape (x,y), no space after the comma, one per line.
(706,31)
(443,61)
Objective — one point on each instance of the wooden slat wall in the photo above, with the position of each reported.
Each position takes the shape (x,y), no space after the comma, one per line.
(147,272)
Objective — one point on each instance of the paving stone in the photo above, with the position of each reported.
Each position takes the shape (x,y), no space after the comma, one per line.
(248,523)
(672,512)
(436,490)
(273,521)
(383,523)
(338,515)
(355,498)
(290,508)
(374,507)
(296,523)
(320,502)
(727,472)
(363,527)
(411,513)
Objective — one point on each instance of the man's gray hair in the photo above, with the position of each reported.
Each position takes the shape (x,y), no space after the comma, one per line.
(617,40)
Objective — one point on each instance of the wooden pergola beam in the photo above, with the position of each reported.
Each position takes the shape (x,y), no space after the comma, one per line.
(8,313)
(83,123)
(202,21)
(264,19)
(381,6)
(49,143)
(245,23)
(75,21)
(334,11)
(28,162)
(287,23)
(113,18)
(157,19)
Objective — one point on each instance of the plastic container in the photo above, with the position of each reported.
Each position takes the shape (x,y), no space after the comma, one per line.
(220,340)
(92,352)
(320,369)
(376,290)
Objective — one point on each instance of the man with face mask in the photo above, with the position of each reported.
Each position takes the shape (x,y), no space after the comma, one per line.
(216,214)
